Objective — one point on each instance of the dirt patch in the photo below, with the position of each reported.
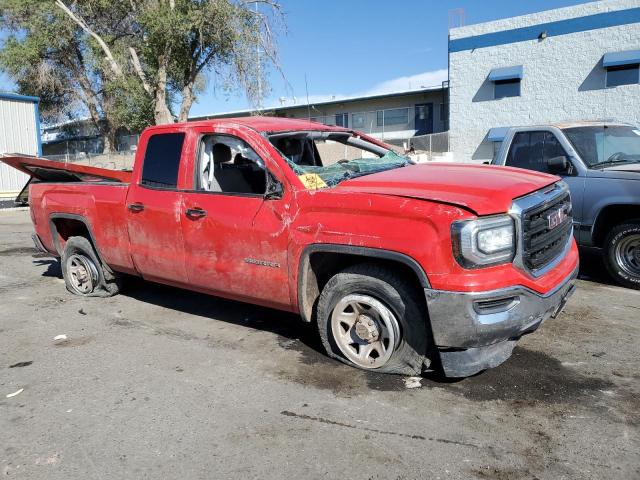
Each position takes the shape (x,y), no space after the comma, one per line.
(314,368)
(530,375)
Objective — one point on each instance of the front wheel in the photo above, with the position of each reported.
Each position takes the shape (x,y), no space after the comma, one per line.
(622,254)
(83,272)
(371,318)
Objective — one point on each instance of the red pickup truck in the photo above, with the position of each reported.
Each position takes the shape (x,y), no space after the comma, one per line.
(404,267)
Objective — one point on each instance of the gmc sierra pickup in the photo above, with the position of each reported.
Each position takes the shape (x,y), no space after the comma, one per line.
(600,162)
(404,267)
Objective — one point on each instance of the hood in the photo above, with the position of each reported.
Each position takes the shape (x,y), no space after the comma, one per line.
(483,189)
(627,172)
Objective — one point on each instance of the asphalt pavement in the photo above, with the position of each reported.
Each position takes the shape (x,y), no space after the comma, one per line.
(164,383)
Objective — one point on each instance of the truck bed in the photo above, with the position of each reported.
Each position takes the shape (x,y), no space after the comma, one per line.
(63,197)
(54,171)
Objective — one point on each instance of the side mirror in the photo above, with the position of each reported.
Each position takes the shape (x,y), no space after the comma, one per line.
(274,189)
(559,165)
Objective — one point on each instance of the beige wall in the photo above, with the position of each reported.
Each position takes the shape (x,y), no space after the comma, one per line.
(326,113)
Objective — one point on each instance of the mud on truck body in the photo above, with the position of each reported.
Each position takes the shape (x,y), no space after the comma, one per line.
(404,268)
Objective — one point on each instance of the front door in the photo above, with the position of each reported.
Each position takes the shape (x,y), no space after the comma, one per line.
(235,239)
(153,207)
(424,118)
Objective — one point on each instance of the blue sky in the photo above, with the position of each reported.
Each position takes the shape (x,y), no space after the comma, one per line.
(354,47)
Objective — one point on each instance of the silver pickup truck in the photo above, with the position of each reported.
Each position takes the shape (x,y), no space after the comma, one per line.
(600,162)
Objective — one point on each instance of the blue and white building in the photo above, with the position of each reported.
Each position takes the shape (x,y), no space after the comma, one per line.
(575,63)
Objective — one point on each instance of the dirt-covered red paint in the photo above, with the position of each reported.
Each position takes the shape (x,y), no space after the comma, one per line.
(249,247)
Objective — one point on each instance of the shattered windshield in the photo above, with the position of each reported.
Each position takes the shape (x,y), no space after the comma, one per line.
(606,145)
(324,159)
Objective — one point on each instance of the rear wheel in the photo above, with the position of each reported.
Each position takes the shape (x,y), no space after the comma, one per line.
(83,272)
(622,254)
(371,318)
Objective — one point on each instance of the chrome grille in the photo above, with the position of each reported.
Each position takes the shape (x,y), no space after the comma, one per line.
(543,242)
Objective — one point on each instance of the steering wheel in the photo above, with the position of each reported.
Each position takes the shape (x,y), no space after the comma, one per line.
(616,156)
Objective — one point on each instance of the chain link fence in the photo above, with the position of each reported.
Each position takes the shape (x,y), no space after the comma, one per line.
(432,143)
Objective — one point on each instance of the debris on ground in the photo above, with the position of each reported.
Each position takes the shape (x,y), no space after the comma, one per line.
(413,382)
(21,364)
(9,395)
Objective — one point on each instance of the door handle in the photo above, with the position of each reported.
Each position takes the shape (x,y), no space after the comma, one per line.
(135,207)
(195,213)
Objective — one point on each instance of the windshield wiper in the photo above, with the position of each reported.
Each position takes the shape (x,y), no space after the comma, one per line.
(608,163)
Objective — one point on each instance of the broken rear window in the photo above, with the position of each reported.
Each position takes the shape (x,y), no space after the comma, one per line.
(324,159)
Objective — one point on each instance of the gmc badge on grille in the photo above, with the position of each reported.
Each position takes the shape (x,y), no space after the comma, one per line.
(556,217)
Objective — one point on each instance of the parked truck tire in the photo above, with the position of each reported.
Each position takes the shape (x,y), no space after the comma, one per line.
(83,272)
(622,253)
(371,318)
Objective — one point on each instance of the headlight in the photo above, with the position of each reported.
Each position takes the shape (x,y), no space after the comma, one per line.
(483,241)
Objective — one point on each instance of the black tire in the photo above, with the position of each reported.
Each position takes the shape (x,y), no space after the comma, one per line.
(624,269)
(398,295)
(101,281)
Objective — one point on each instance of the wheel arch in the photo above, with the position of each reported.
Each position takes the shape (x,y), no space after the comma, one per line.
(318,262)
(65,225)
(609,216)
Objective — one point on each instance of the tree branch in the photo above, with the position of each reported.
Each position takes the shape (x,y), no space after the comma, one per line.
(81,23)
(138,68)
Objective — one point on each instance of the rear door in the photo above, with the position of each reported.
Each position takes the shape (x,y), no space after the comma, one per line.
(235,238)
(154,210)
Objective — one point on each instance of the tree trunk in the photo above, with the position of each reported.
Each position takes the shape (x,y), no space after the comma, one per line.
(110,142)
(187,101)
(161,111)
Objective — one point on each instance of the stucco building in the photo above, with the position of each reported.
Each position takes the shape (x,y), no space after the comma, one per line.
(575,63)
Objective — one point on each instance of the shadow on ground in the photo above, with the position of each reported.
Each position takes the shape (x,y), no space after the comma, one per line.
(592,269)
(528,374)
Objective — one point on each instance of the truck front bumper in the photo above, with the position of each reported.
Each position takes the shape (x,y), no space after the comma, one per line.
(474,331)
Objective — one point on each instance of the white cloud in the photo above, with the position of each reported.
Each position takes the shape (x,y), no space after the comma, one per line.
(410,82)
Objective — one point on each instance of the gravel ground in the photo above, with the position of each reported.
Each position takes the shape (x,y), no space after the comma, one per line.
(164,383)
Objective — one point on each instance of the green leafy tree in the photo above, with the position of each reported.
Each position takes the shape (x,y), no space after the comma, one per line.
(131,63)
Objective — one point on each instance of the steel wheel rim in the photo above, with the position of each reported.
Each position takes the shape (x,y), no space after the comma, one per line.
(628,255)
(366,332)
(83,275)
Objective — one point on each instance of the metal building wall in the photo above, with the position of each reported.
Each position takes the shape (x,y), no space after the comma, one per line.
(18,134)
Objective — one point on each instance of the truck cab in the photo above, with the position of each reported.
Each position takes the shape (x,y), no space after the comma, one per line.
(600,162)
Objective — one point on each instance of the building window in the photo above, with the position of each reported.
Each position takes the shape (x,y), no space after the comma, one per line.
(342,120)
(623,75)
(357,120)
(506,88)
(393,116)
